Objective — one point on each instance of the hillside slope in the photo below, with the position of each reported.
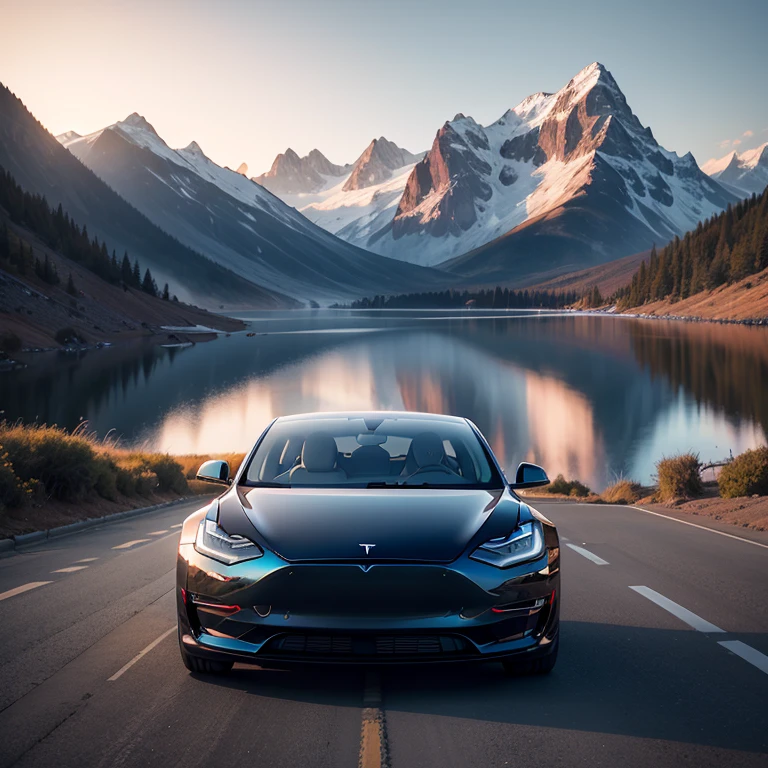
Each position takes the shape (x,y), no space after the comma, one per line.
(42,166)
(33,311)
(236,222)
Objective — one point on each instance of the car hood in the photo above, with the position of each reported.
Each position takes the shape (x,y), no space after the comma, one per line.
(397,524)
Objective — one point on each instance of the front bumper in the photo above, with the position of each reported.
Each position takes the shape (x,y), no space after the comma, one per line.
(273,613)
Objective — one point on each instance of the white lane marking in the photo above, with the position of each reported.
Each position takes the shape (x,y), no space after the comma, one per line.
(586,553)
(71,569)
(702,527)
(157,533)
(22,588)
(129,544)
(562,538)
(87,560)
(747,652)
(127,666)
(178,525)
(690,618)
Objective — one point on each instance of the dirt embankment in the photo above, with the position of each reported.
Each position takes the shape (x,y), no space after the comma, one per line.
(746,299)
(35,311)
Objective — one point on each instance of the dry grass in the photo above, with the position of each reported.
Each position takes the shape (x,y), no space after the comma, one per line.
(43,463)
(679,477)
(746,475)
(744,300)
(622,492)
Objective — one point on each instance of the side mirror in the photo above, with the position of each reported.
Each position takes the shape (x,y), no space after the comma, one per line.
(214,472)
(529,476)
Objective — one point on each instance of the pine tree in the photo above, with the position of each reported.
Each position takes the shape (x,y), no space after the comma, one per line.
(136,276)
(5,245)
(148,284)
(166,294)
(126,272)
(71,289)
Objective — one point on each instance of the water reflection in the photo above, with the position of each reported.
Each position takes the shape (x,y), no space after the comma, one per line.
(592,397)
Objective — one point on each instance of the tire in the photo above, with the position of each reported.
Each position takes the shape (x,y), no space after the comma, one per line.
(524,667)
(204,666)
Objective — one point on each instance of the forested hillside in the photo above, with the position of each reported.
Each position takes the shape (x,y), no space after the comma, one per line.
(722,250)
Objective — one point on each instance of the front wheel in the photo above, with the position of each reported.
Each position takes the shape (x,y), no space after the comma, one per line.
(523,667)
(203,666)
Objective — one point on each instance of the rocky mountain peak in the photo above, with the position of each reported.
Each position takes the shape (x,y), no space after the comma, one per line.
(137,122)
(242,169)
(380,158)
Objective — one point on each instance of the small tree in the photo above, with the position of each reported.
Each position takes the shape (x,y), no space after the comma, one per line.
(71,289)
(166,293)
(148,284)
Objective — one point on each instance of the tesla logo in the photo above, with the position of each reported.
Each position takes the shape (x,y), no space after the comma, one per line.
(367,547)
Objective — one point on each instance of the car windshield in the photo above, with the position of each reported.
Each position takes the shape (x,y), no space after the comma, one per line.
(371,452)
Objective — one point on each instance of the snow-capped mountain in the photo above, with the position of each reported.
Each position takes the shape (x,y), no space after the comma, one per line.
(744,172)
(352,201)
(43,167)
(377,164)
(294,175)
(234,221)
(562,181)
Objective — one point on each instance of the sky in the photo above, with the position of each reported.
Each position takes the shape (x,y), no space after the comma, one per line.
(248,78)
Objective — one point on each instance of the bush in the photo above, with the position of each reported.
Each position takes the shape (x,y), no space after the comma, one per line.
(11,488)
(622,492)
(169,473)
(65,464)
(567,487)
(679,477)
(105,477)
(745,475)
(9,342)
(40,460)
(68,335)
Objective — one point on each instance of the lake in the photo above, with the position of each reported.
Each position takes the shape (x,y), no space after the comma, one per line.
(593,397)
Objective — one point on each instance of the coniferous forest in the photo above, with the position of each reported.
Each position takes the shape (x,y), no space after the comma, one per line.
(58,231)
(721,250)
(491,298)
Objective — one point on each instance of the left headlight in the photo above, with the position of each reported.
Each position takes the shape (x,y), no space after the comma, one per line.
(526,542)
(217,544)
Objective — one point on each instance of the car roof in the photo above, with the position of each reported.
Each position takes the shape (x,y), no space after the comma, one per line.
(372,415)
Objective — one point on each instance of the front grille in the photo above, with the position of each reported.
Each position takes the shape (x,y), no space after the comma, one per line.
(362,645)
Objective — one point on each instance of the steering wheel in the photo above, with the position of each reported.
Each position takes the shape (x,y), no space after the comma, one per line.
(432,468)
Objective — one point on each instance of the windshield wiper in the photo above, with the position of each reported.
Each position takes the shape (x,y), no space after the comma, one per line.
(381,484)
(268,484)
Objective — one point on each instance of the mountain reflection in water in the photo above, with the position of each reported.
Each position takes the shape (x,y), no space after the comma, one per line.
(591,397)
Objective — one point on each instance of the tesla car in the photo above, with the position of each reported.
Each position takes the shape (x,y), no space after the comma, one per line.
(368,538)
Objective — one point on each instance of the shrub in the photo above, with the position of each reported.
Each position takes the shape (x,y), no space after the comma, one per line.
(622,492)
(67,336)
(63,463)
(679,477)
(567,487)
(105,477)
(11,488)
(9,342)
(169,473)
(745,475)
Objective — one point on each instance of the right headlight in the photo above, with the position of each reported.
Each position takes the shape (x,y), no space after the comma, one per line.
(526,542)
(216,543)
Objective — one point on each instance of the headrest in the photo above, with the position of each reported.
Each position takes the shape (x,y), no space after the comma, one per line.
(319,452)
(427,449)
(370,460)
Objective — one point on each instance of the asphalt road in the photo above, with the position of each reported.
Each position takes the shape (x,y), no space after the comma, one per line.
(90,673)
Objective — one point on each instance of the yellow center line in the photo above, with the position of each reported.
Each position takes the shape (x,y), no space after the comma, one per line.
(373,736)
